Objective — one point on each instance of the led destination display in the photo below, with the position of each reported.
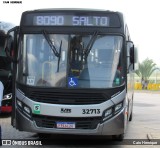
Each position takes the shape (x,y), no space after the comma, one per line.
(69,20)
(66,19)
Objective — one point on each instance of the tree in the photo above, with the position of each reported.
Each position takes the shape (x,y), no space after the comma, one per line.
(146,68)
(6,26)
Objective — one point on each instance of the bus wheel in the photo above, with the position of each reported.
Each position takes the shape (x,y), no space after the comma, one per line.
(118,137)
(130,117)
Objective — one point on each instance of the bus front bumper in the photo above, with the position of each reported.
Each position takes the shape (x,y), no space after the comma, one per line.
(113,126)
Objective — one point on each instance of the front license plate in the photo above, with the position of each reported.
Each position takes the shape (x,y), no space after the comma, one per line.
(65,124)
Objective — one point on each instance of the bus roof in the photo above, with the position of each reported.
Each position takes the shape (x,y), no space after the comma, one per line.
(72,9)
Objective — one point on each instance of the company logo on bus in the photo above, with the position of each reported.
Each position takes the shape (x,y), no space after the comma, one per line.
(65,110)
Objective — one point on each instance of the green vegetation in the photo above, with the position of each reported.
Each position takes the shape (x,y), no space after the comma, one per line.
(146,68)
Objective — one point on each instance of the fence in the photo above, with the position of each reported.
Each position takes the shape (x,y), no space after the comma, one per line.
(150,86)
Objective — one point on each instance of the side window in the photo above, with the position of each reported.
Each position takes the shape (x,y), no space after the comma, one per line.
(2,43)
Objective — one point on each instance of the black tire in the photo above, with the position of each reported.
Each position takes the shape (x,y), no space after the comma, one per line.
(131,116)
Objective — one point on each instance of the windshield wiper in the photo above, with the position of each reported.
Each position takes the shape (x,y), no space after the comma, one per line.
(59,58)
(91,42)
(51,44)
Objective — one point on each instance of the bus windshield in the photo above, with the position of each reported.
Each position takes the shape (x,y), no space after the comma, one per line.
(83,61)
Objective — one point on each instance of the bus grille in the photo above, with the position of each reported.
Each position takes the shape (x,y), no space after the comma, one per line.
(68,98)
(81,123)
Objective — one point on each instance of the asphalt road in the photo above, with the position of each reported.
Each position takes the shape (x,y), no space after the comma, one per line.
(142,131)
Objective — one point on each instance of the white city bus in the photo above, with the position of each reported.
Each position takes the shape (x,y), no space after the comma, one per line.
(73,72)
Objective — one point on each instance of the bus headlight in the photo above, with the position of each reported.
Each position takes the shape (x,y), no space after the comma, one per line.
(27,110)
(108,113)
(24,108)
(19,103)
(118,107)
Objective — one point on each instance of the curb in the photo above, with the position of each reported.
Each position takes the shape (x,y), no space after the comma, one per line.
(153,136)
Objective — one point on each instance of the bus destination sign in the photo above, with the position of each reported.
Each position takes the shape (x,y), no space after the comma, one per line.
(70,20)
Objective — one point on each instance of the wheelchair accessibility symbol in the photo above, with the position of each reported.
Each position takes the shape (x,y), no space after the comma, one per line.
(72,82)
